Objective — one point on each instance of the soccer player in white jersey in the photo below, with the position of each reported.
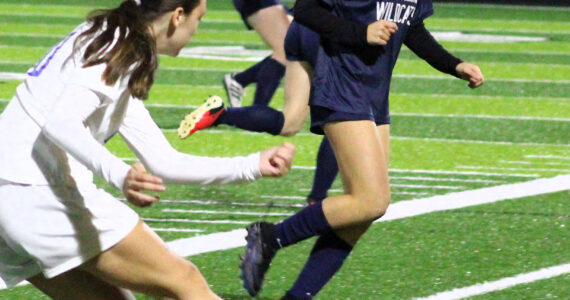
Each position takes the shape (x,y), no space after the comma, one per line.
(57,229)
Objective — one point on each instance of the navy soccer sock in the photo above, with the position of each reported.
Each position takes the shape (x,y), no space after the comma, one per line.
(325,260)
(258,118)
(308,222)
(327,169)
(268,79)
(250,75)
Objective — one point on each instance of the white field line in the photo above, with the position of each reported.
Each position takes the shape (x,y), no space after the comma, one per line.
(12,76)
(442,179)
(522,162)
(514,169)
(34,35)
(548,157)
(195,221)
(209,202)
(176,230)
(421,186)
(398,210)
(475,141)
(462,199)
(282,197)
(212,69)
(504,51)
(523,80)
(489,97)
(190,106)
(481,116)
(398,193)
(494,30)
(215,212)
(417,186)
(501,284)
(223,58)
(441,172)
(506,7)
(410,193)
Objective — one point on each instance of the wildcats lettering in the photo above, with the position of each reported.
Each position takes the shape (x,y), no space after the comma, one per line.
(395,12)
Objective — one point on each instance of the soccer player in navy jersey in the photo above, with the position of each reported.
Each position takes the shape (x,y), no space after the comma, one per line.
(360,42)
(269,18)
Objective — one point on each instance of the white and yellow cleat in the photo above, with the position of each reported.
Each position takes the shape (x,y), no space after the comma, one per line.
(203,117)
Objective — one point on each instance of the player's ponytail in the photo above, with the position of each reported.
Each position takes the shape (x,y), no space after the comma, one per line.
(121,38)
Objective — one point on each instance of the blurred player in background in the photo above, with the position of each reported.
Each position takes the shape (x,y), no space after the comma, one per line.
(270,20)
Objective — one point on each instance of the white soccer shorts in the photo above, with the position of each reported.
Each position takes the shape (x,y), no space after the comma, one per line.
(53,230)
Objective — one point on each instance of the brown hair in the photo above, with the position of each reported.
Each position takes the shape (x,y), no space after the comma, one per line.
(134,49)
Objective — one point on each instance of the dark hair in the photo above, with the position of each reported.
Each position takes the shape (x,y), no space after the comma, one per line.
(134,49)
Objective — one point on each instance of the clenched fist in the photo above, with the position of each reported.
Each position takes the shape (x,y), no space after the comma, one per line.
(472,73)
(276,161)
(379,32)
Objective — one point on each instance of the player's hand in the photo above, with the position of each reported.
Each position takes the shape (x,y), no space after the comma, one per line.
(471,73)
(379,32)
(138,180)
(276,161)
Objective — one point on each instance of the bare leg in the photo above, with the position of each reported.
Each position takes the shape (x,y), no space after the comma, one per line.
(273,35)
(297,90)
(361,150)
(78,284)
(352,234)
(141,262)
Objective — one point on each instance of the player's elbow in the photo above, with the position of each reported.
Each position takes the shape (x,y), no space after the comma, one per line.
(291,129)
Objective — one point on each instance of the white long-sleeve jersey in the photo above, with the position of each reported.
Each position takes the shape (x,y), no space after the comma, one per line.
(54,129)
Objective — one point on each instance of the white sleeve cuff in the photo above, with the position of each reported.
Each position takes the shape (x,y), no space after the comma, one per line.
(251,167)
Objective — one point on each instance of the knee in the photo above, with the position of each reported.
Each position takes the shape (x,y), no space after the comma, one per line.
(290,129)
(279,55)
(187,272)
(182,281)
(375,206)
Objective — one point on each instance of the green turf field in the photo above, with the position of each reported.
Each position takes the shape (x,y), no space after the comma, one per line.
(446,138)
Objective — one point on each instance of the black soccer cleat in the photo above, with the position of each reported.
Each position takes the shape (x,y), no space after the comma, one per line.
(257,257)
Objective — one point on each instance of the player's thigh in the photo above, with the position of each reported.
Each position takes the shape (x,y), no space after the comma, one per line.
(271,23)
(297,92)
(384,133)
(361,155)
(78,284)
(141,262)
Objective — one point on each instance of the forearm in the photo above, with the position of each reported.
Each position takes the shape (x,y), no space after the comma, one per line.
(424,45)
(153,149)
(190,169)
(311,14)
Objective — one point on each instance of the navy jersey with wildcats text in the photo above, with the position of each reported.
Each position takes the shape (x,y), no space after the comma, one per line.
(357,79)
